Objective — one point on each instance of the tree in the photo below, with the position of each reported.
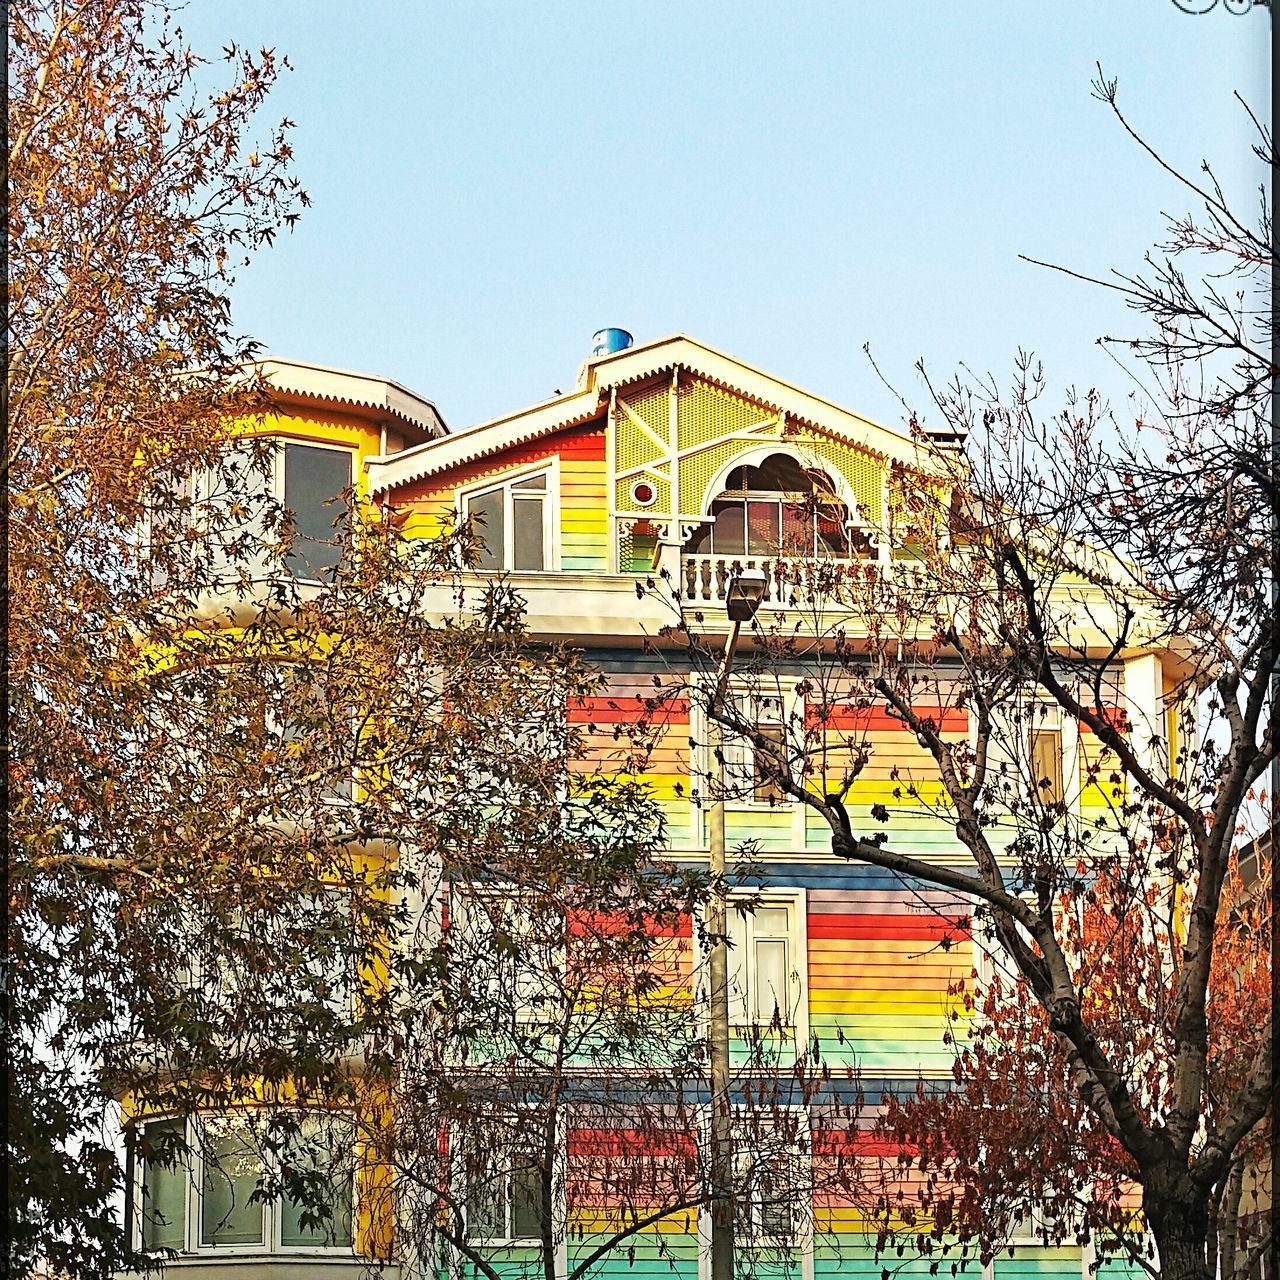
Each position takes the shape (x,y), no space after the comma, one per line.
(1032,572)
(207,811)
(238,802)
(130,199)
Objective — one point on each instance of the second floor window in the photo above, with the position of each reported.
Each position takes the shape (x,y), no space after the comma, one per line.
(504,1200)
(764,977)
(771,1182)
(755,766)
(512,525)
(509,956)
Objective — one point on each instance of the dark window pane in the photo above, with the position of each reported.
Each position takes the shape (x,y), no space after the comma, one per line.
(538,482)
(833,539)
(728,538)
(526,1201)
(781,473)
(699,541)
(314,480)
(486,510)
(527,528)
(164,1190)
(486,1198)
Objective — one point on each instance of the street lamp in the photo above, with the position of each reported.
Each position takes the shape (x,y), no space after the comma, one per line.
(742,598)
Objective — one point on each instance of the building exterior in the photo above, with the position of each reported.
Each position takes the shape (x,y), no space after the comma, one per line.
(616,510)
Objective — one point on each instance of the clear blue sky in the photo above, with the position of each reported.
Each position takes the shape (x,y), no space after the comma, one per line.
(785,181)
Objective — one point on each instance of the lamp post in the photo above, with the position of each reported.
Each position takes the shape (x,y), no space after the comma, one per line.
(742,599)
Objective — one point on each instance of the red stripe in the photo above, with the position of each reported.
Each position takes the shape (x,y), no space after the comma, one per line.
(848,718)
(906,927)
(623,710)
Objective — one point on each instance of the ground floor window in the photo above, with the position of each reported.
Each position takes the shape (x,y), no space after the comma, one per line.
(244,1182)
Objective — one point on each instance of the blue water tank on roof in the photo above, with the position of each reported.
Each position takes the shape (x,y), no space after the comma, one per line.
(604,342)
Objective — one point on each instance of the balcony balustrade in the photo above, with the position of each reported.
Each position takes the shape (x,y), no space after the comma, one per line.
(792,583)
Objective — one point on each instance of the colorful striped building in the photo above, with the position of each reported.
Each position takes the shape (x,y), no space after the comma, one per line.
(614,510)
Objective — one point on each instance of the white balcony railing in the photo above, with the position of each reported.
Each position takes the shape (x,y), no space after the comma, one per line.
(791,583)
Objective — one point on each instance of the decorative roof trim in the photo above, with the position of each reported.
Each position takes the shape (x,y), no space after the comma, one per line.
(603,374)
(360,390)
(741,379)
(483,440)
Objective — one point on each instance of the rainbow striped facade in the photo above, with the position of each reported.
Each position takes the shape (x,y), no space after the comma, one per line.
(634,457)
(596,496)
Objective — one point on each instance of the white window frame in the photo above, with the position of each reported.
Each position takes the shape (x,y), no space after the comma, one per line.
(509,1241)
(800,1246)
(1018,731)
(550,467)
(533,1010)
(739,754)
(194,1168)
(278,476)
(196,972)
(202,484)
(795,901)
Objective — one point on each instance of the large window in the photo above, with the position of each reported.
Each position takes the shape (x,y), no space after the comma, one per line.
(315,480)
(778,508)
(201,1186)
(277,959)
(513,524)
(255,482)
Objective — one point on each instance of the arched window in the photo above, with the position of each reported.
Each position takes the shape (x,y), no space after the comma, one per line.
(778,508)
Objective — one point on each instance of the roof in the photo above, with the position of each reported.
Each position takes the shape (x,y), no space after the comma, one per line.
(388,399)
(602,374)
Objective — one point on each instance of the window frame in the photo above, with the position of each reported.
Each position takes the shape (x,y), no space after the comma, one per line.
(530,1011)
(799,1248)
(1015,726)
(549,467)
(752,1234)
(508,1239)
(738,753)
(462,1192)
(280,481)
(742,969)
(347,986)
(202,486)
(193,1165)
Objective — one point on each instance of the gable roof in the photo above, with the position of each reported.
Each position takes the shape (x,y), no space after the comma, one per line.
(601,375)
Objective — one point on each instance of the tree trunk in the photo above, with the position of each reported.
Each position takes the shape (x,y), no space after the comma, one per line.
(1177,1213)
